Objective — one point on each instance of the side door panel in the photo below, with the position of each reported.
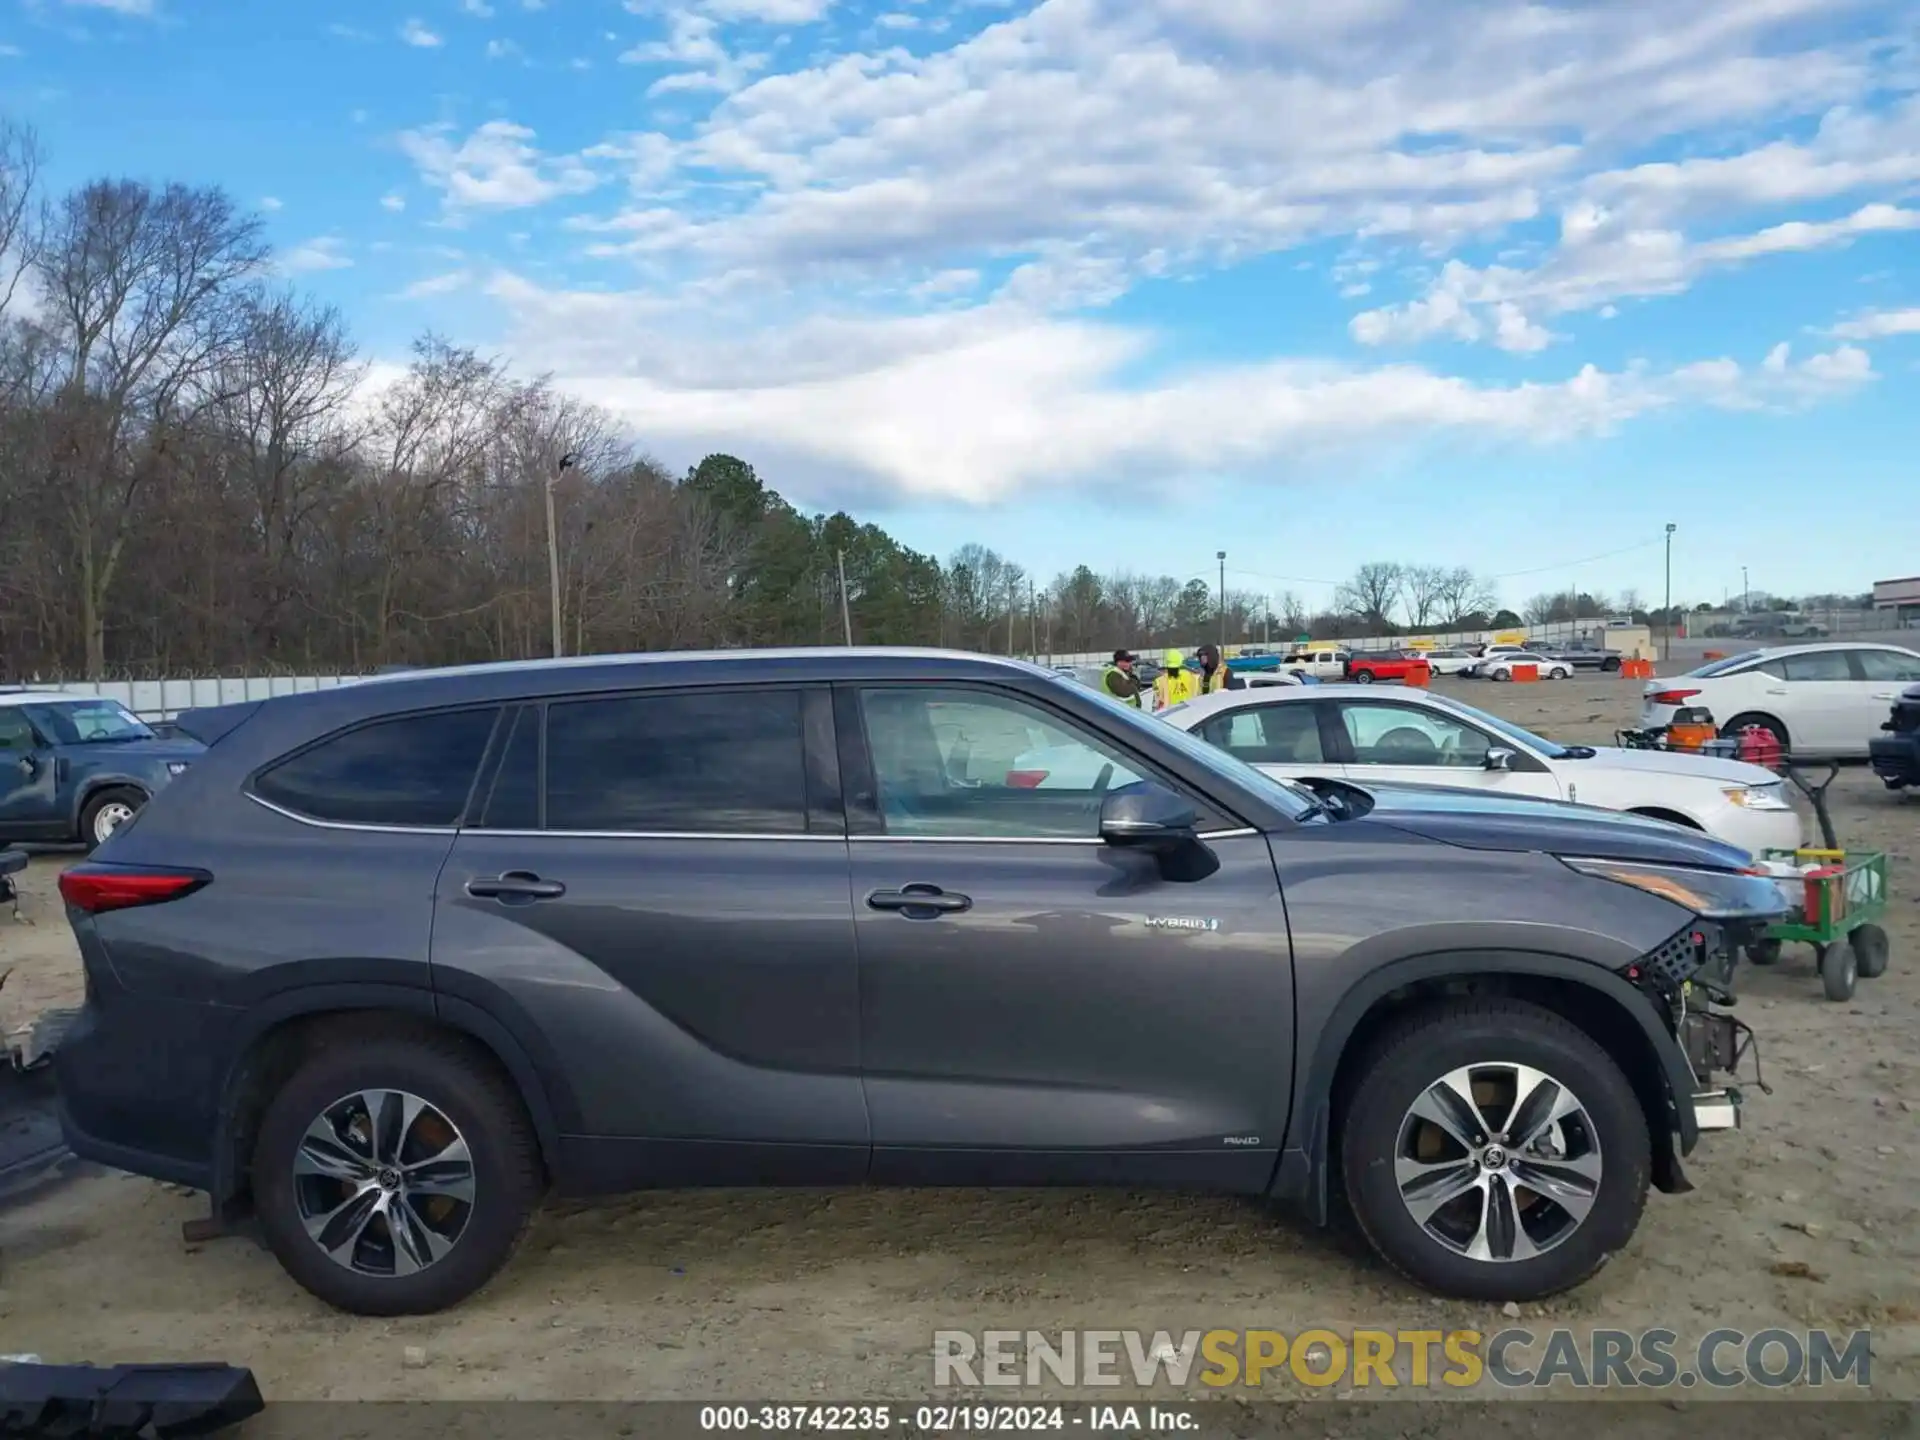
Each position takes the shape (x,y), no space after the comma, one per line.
(29,796)
(1088,1017)
(698,984)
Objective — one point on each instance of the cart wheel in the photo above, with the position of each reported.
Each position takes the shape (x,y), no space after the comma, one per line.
(1870,947)
(1764,952)
(1838,970)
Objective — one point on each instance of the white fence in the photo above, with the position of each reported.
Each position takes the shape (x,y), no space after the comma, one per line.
(159,700)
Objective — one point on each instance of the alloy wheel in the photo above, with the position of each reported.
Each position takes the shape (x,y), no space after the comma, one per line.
(1498,1162)
(384,1183)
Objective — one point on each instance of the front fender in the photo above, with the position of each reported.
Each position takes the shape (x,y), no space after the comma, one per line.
(82,781)
(1301,1173)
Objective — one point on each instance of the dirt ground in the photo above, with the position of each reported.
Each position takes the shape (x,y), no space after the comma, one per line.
(1805,1218)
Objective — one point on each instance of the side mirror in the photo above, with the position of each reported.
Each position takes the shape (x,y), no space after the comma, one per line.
(1149,817)
(1499,757)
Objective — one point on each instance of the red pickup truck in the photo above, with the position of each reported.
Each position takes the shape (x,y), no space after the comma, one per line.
(1401,665)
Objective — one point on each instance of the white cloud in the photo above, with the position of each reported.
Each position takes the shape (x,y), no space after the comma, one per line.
(142,8)
(497,167)
(324,252)
(693,41)
(1597,262)
(503,50)
(898,403)
(271,203)
(415,33)
(1876,324)
(477,7)
(444,284)
(349,32)
(11,52)
(769,12)
(393,200)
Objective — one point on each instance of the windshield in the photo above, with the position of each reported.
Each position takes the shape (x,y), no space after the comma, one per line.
(1538,743)
(1297,803)
(82,722)
(1722,667)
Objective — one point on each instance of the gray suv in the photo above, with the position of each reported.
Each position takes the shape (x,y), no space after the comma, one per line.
(392,961)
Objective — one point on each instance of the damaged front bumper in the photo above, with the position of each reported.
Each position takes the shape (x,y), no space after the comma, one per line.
(1689,980)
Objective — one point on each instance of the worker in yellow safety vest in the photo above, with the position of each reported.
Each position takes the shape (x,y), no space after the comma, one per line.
(1119,681)
(1175,684)
(1214,675)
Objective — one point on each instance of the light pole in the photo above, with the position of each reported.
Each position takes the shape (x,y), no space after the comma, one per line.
(1666,640)
(567,462)
(1221,556)
(1746,593)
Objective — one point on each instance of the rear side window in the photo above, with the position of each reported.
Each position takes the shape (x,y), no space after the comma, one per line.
(723,762)
(414,770)
(1818,665)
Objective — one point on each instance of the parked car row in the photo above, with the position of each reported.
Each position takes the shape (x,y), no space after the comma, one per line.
(387,963)
(1819,700)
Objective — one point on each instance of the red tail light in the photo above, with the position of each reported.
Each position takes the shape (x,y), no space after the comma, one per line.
(98,888)
(1026,779)
(1671,697)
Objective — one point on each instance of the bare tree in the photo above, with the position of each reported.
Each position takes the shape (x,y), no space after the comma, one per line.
(1462,593)
(142,286)
(1423,587)
(20,234)
(1374,590)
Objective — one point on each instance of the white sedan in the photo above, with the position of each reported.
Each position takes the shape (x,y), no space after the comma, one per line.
(1500,666)
(1827,699)
(1416,737)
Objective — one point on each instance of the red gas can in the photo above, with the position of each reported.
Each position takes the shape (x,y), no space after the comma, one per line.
(1760,746)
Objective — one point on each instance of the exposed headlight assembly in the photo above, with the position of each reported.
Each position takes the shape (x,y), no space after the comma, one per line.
(1710,894)
(1758,797)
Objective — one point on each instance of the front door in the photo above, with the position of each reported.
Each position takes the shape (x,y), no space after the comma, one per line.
(1393,743)
(29,806)
(672,916)
(1821,699)
(1038,1007)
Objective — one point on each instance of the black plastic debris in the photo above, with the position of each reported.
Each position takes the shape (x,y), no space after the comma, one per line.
(108,1401)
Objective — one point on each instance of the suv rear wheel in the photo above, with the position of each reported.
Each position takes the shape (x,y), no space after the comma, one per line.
(1493,1151)
(394,1174)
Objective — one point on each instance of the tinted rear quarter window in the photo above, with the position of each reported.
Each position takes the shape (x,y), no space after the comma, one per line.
(413,770)
(719,762)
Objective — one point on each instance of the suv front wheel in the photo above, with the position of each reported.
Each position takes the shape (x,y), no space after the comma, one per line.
(1491,1150)
(395,1172)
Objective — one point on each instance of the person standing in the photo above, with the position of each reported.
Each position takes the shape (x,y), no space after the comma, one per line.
(1214,675)
(1176,684)
(1119,680)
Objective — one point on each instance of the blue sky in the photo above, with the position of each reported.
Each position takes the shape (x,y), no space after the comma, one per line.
(1119,281)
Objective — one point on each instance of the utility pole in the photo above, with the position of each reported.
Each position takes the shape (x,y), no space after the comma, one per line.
(1666,640)
(1013,601)
(567,462)
(1266,630)
(846,615)
(1221,556)
(1033,619)
(1746,593)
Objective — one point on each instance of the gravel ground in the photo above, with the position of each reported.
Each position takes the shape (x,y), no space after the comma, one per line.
(1806,1218)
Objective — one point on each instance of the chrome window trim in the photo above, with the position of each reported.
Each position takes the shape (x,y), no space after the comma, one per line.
(1243,833)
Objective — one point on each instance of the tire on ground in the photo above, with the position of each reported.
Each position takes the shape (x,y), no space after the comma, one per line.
(113,795)
(1412,1056)
(445,1072)
(1731,730)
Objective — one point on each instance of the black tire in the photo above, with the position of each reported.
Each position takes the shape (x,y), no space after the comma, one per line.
(1731,730)
(1610,664)
(1560,673)
(1410,1058)
(1839,970)
(1764,952)
(1363,677)
(444,1071)
(1871,950)
(110,801)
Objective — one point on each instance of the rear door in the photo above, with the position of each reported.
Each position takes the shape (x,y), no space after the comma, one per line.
(1281,737)
(1397,743)
(1036,1006)
(668,916)
(1822,699)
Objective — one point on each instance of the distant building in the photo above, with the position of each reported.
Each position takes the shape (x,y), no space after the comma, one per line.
(1900,597)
